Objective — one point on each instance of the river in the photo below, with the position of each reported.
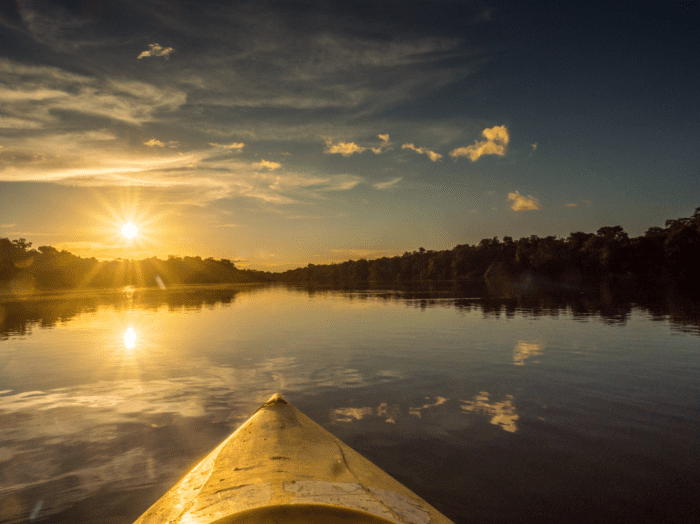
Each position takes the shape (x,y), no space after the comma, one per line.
(522,409)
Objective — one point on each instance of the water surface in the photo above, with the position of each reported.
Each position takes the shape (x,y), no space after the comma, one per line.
(525,409)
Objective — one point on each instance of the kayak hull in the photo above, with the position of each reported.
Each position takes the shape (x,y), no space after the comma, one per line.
(280,466)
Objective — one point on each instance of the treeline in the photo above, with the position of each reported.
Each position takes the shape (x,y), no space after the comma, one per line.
(671,253)
(23,270)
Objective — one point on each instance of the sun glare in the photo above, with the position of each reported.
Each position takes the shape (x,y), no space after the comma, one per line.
(130,338)
(129,230)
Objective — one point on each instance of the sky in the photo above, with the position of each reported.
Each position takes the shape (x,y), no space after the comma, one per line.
(278,134)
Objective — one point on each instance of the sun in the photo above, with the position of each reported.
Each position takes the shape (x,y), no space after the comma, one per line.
(129,230)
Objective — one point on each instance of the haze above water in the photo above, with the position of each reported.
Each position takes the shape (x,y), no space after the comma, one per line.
(527,409)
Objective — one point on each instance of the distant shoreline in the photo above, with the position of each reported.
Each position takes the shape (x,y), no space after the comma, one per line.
(669,255)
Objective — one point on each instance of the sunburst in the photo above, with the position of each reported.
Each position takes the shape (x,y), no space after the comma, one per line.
(129,230)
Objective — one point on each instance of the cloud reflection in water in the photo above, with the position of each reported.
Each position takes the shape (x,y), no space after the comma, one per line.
(502,414)
(524,350)
(70,443)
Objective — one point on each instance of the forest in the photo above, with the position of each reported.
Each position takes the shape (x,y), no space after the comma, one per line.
(669,255)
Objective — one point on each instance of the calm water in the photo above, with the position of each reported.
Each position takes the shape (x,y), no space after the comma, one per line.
(494,410)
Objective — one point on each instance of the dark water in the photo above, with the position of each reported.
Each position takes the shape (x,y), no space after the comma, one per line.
(548,408)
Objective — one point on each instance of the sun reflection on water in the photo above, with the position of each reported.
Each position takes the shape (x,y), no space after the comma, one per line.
(130,338)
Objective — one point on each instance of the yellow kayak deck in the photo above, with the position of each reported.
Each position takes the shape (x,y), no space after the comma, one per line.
(280,466)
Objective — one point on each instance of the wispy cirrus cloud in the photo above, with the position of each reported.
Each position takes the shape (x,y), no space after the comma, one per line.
(268,165)
(46,97)
(497,139)
(523,203)
(235,146)
(156,50)
(423,151)
(387,185)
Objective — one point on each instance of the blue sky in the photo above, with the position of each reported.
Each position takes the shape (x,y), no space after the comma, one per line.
(278,134)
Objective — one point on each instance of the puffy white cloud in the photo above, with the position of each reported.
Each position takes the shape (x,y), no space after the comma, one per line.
(423,151)
(497,139)
(156,50)
(523,203)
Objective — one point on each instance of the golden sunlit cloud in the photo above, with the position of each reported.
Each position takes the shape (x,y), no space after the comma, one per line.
(234,146)
(343,148)
(154,143)
(497,139)
(156,50)
(423,151)
(534,146)
(571,205)
(129,230)
(522,203)
(267,164)
(385,144)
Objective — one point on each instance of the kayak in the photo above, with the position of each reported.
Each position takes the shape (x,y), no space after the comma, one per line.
(280,466)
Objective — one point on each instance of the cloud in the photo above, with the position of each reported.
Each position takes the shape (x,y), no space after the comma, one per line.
(522,203)
(153,143)
(386,185)
(349,148)
(45,97)
(495,144)
(423,151)
(385,144)
(571,205)
(343,148)
(267,164)
(234,146)
(156,50)
(534,146)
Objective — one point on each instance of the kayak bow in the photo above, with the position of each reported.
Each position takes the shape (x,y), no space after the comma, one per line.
(280,466)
